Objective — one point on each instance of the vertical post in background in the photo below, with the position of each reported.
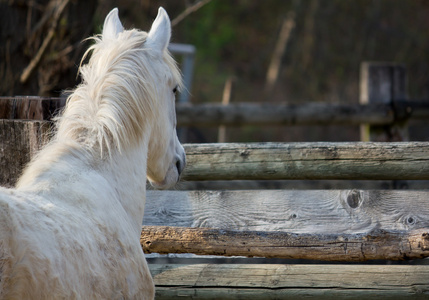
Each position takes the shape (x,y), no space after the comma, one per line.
(226,98)
(384,83)
(187,66)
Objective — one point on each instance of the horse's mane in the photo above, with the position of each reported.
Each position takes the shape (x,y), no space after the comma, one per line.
(120,87)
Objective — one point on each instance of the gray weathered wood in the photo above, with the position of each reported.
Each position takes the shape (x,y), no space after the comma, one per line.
(384,83)
(278,161)
(353,160)
(19,141)
(298,211)
(225,281)
(374,245)
(273,161)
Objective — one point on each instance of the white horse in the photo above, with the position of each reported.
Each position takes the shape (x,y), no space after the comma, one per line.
(71,228)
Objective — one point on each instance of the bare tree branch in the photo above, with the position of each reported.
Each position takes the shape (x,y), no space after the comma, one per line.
(191,9)
(35,61)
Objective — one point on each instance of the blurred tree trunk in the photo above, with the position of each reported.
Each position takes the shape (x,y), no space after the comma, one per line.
(44,38)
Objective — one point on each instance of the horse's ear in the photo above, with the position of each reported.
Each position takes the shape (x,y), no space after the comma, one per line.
(112,25)
(160,32)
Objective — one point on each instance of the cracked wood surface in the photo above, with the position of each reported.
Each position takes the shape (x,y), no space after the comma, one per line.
(226,281)
(297,211)
(335,225)
(375,245)
(317,160)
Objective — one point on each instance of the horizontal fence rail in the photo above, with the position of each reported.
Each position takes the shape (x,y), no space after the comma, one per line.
(312,113)
(289,281)
(374,245)
(319,160)
(253,161)
(300,114)
(290,224)
(299,211)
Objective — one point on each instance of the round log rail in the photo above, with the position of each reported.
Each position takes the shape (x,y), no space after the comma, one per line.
(237,114)
(311,113)
(378,244)
(319,160)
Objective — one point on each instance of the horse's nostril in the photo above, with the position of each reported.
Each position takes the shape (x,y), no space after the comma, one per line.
(179,166)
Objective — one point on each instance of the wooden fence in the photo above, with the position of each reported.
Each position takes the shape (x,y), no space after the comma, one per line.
(240,114)
(326,225)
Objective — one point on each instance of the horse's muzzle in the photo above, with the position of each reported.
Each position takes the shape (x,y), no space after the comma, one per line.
(181,164)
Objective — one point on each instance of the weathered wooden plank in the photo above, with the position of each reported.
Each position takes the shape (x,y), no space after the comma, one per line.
(19,141)
(238,114)
(226,281)
(312,113)
(301,185)
(282,161)
(352,160)
(298,211)
(375,245)
(30,107)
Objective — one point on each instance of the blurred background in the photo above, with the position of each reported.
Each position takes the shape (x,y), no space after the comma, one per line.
(271,51)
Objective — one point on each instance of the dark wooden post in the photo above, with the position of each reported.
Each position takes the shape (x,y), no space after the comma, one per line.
(19,142)
(384,83)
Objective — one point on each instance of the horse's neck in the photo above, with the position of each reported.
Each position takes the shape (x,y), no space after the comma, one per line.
(126,172)
(71,177)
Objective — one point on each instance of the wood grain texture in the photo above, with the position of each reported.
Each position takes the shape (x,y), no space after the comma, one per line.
(19,141)
(320,160)
(225,281)
(375,245)
(299,211)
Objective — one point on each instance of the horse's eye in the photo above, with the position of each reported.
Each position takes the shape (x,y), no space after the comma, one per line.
(175,89)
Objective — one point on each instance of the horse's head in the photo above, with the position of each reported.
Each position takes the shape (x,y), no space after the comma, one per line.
(165,157)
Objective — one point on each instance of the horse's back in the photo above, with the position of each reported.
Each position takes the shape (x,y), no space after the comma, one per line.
(51,252)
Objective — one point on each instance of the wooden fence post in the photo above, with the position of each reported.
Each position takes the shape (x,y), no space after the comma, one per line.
(384,83)
(19,141)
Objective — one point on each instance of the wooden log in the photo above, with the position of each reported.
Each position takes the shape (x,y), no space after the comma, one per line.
(19,141)
(40,108)
(254,282)
(237,114)
(297,211)
(375,245)
(261,161)
(30,108)
(282,161)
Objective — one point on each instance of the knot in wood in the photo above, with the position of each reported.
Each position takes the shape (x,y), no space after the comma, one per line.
(410,220)
(244,153)
(354,199)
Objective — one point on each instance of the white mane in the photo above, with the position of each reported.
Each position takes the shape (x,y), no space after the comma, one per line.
(106,109)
